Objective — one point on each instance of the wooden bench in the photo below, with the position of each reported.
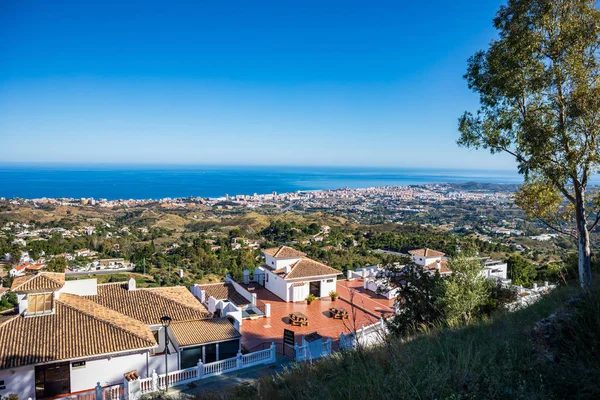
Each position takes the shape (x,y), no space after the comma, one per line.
(338,313)
(298,319)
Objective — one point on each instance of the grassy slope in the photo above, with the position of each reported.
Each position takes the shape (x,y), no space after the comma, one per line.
(493,359)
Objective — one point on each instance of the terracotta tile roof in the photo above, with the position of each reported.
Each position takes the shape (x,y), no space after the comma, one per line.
(203,331)
(284,252)
(426,253)
(444,268)
(37,283)
(225,291)
(106,314)
(67,333)
(305,268)
(149,305)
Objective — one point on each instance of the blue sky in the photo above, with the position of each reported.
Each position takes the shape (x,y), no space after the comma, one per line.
(346,83)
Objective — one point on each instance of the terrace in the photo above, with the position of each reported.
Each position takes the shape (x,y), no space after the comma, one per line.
(364,307)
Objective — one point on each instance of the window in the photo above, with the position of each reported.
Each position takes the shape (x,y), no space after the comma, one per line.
(39,303)
(266,277)
(329,280)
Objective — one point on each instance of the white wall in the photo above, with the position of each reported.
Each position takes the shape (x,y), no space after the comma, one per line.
(110,372)
(298,293)
(277,263)
(21,382)
(107,372)
(83,287)
(277,285)
(327,287)
(239,288)
(422,261)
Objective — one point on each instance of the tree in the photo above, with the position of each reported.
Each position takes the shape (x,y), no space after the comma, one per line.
(418,298)
(521,271)
(57,264)
(539,94)
(466,291)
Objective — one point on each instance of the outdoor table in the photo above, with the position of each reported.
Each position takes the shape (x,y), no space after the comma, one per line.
(298,319)
(338,312)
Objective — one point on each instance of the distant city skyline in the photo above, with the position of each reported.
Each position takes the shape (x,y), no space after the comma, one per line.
(240,84)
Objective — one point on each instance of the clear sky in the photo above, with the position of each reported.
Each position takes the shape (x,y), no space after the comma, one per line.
(249,82)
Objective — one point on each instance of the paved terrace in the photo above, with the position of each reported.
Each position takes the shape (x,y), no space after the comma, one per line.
(368,308)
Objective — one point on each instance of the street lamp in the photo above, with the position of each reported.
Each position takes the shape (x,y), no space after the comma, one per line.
(165,321)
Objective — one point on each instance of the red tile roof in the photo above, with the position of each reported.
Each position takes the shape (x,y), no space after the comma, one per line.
(149,305)
(284,252)
(305,268)
(45,281)
(72,331)
(426,253)
(188,333)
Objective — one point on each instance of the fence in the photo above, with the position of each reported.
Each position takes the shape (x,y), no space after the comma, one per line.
(312,350)
(115,392)
(365,336)
(159,382)
(280,348)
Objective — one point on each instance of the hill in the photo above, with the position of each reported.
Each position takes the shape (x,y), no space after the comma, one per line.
(505,357)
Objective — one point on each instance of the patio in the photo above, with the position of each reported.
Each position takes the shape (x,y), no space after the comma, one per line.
(366,309)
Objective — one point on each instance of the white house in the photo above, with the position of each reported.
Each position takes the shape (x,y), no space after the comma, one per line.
(430,260)
(292,276)
(494,269)
(67,336)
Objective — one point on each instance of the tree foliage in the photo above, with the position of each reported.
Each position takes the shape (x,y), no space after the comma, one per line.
(466,291)
(539,94)
(521,271)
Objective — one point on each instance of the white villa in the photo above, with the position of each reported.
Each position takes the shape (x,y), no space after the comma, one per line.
(430,260)
(290,275)
(69,335)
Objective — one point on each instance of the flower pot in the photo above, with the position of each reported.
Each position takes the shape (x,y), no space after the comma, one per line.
(333,298)
(308,302)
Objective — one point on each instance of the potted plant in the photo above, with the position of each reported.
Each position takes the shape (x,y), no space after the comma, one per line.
(334,295)
(311,297)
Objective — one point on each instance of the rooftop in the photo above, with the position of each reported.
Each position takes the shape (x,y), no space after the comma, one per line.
(77,328)
(224,291)
(426,253)
(149,305)
(306,267)
(284,252)
(45,281)
(188,333)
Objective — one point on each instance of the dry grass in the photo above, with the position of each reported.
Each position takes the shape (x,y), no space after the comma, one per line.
(492,359)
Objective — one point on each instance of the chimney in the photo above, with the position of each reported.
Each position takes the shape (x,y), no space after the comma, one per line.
(438,265)
(287,269)
(131,284)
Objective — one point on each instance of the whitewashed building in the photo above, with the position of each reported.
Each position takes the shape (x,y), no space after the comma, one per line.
(67,336)
(292,276)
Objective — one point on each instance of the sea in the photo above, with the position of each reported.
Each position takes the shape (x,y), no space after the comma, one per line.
(157,182)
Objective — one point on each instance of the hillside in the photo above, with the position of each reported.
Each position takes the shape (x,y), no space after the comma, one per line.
(502,358)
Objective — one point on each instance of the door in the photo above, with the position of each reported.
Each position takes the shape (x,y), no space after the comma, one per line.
(52,380)
(298,293)
(315,288)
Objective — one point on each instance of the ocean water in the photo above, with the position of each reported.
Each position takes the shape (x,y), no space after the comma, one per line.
(154,182)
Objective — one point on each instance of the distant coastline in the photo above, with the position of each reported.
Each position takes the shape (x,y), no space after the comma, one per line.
(157,182)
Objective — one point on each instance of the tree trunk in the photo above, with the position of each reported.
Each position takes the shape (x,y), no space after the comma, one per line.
(583,242)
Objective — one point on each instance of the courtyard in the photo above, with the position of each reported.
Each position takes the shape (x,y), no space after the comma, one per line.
(364,308)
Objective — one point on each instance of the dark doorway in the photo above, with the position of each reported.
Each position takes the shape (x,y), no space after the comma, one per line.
(52,380)
(315,288)
(210,353)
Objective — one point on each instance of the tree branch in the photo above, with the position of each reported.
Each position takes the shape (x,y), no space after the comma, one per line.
(595,223)
(559,230)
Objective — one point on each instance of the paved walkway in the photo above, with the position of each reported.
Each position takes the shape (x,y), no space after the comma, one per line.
(230,380)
